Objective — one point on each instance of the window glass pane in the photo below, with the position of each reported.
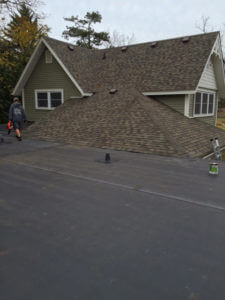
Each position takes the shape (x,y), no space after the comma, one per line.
(204,103)
(42,96)
(56,99)
(197,103)
(211,100)
(42,99)
(56,95)
(42,103)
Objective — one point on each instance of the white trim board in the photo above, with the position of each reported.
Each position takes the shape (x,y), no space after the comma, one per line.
(187,105)
(47,91)
(28,68)
(168,93)
(23,99)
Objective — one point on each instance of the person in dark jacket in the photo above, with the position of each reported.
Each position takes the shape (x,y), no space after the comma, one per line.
(17,116)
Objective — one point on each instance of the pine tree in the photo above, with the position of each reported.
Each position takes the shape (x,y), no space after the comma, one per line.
(84,32)
(17,42)
(23,32)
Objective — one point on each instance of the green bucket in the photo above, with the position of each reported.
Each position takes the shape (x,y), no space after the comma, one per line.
(213,169)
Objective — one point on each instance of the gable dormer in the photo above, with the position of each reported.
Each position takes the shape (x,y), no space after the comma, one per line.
(208,78)
(213,74)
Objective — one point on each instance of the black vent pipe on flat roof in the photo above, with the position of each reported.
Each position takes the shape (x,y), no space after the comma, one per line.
(104,56)
(107,158)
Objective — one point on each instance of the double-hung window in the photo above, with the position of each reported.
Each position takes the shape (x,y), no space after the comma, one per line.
(48,99)
(204,104)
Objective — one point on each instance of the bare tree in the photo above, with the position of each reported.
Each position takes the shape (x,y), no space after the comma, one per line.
(12,5)
(118,39)
(204,25)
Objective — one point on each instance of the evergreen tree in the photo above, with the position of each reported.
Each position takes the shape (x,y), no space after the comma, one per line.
(17,42)
(84,32)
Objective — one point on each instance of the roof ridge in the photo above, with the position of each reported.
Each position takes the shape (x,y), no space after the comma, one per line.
(145,105)
(64,42)
(136,44)
(159,125)
(162,40)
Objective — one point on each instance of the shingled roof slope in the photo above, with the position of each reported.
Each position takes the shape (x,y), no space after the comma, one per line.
(171,65)
(129,121)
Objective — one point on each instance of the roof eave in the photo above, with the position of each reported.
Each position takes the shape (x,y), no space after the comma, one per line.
(184,92)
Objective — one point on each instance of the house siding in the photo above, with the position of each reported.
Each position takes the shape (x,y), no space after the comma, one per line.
(208,78)
(46,76)
(191,106)
(174,101)
(177,102)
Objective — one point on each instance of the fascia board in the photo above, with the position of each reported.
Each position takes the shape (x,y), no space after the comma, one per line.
(64,68)
(168,93)
(28,68)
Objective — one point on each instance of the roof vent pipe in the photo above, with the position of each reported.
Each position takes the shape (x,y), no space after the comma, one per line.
(104,56)
(185,39)
(153,44)
(124,49)
(113,91)
(71,47)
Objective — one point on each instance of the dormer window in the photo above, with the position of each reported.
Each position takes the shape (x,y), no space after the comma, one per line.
(48,57)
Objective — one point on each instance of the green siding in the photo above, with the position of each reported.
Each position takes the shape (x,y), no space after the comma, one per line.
(177,103)
(191,105)
(46,76)
(174,101)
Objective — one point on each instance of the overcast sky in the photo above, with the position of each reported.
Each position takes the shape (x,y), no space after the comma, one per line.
(148,20)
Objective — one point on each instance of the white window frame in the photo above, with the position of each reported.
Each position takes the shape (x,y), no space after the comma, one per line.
(49,98)
(214,102)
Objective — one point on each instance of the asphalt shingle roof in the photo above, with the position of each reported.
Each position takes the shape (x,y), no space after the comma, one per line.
(171,65)
(128,121)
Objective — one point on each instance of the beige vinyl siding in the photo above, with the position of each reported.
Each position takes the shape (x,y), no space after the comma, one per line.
(208,79)
(46,76)
(174,101)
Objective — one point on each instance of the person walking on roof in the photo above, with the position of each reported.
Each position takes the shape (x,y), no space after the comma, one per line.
(17,116)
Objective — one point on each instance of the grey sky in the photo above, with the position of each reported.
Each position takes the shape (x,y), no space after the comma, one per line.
(148,20)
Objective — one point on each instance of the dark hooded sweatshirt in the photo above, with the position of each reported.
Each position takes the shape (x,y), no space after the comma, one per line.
(16,113)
